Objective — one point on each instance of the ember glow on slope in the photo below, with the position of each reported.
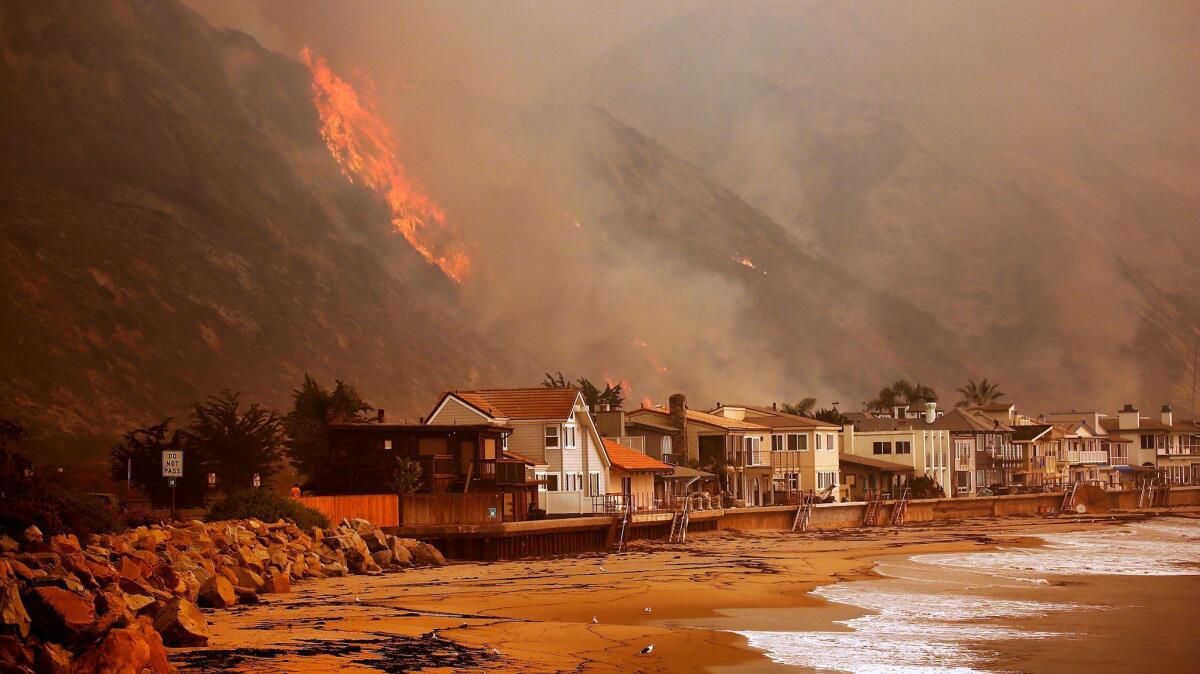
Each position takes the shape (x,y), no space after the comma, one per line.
(364,148)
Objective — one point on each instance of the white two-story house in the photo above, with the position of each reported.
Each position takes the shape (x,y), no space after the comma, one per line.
(551,428)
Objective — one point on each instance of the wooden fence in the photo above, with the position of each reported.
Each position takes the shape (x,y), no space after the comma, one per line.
(382,510)
(466,509)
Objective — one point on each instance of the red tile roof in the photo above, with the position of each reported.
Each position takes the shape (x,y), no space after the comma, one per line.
(521,403)
(631,460)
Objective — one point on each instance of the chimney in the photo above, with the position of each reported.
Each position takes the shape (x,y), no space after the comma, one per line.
(774,407)
(379,415)
(677,406)
(848,438)
(1167,417)
(930,412)
(610,423)
(1128,418)
(603,407)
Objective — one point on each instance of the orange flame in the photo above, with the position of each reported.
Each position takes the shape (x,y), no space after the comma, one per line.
(744,261)
(653,359)
(363,146)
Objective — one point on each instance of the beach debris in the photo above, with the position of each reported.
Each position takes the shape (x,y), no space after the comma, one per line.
(595,621)
(647,650)
(646,610)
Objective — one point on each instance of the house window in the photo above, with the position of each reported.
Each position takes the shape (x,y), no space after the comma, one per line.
(797,442)
(776,443)
(903,447)
(551,481)
(752,444)
(826,479)
(818,442)
(830,444)
(881,448)
(594,483)
(665,446)
(569,436)
(552,440)
(1147,442)
(387,445)
(504,441)
(793,481)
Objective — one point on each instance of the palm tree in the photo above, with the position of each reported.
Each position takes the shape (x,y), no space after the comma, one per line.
(803,408)
(979,393)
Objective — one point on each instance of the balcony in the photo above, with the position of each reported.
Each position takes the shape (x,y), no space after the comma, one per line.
(500,471)
(634,442)
(437,465)
(1097,456)
(748,459)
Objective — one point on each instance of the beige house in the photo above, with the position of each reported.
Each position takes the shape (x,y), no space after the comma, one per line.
(1083,447)
(922,444)
(1170,446)
(552,428)
(804,451)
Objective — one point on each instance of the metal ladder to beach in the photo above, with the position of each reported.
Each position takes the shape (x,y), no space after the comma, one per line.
(679,524)
(803,513)
(874,502)
(900,509)
(1069,498)
(625,515)
(1146,495)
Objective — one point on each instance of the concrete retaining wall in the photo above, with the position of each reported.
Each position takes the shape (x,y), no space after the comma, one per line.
(569,536)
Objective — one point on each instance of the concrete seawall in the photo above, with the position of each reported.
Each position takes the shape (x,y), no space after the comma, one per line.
(515,540)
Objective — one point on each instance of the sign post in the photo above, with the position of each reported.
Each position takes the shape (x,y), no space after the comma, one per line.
(172,467)
(257,481)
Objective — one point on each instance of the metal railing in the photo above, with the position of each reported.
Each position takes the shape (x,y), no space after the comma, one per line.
(500,471)
(634,442)
(612,504)
(437,465)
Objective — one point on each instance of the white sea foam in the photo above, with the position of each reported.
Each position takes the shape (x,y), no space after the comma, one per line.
(1156,548)
(916,627)
(911,632)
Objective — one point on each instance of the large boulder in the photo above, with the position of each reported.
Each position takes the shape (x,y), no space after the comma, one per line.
(248,578)
(130,650)
(59,615)
(217,592)
(382,557)
(277,583)
(181,623)
(14,619)
(53,659)
(400,553)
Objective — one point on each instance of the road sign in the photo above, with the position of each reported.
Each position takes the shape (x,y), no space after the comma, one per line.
(172,463)
(257,481)
(212,479)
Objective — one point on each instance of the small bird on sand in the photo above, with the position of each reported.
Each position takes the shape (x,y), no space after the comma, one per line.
(357,599)
(465,625)
(603,570)
(496,651)
(646,610)
(647,650)
(594,621)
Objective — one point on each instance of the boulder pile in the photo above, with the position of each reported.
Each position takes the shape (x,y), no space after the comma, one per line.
(115,603)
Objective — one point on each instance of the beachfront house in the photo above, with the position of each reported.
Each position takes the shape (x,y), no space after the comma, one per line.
(454,461)
(921,443)
(1039,446)
(653,438)
(738,452)
(984,455)
(1086,447)
(1170,446)
(632,478)
(552,428)
(804,451)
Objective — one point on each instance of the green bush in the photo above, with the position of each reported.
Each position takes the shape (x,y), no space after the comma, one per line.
(54,510)
(265,506)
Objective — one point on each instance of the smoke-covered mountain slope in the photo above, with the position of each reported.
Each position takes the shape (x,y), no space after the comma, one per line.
(172,224)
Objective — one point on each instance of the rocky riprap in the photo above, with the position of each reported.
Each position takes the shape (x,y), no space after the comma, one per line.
(116,603)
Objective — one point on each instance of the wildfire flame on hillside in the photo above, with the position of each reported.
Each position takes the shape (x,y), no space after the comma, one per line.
(650,357)
(744,261)
(363,146)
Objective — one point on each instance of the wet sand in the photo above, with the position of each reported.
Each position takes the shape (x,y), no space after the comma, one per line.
(536,615)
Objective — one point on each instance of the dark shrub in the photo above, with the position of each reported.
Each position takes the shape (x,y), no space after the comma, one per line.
(54,510)
(141,517)
(265,506)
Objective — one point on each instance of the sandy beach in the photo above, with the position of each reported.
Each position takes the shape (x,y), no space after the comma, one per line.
(537,615)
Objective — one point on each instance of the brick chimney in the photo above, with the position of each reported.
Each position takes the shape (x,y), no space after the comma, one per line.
(1167,416)
(677,408)
(379,415)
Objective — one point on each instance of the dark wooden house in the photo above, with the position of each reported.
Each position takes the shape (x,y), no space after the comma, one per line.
(454,459)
